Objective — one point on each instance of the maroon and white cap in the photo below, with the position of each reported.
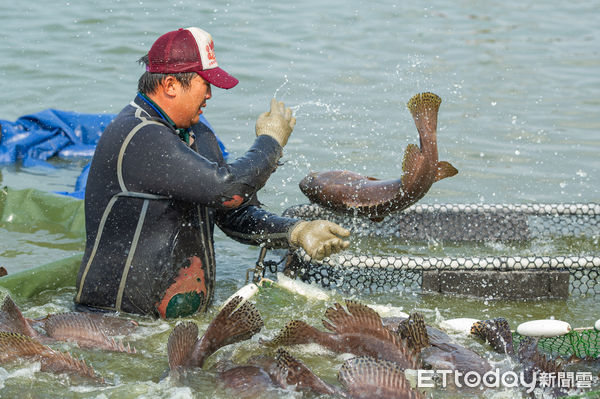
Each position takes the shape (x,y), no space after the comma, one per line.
(188,50)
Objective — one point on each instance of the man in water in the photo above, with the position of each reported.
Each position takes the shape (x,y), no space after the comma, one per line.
(158,183)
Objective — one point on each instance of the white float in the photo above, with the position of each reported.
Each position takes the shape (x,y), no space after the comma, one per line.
(597,325)
(301,288)
(246,292)
(544,328)
(461,325)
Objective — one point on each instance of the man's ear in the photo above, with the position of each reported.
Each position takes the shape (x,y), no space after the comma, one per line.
(169,86)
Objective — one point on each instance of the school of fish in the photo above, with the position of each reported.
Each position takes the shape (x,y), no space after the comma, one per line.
(384,349)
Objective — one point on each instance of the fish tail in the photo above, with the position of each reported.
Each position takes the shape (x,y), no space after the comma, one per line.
(294,372)
(366,377)
(181,344)
(424,109)
(82,329)
(297,332)
(12,320)
(496,332)
(234,323)
(414,331)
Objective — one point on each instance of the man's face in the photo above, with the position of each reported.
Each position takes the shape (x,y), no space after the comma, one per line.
(190,101)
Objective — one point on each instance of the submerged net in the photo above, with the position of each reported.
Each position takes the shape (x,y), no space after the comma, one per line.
(575,228)
(583,343)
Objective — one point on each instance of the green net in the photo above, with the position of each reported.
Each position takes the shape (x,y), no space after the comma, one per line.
(583,343)
(587,395)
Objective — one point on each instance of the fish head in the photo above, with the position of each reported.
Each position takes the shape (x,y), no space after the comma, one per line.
(307,183)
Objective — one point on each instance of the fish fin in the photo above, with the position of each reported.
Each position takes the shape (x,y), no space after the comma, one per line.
(366,377)
(414,331)
(496,332)
(358,318)
(13,345)
(377,219)
(297,332)
(294,372)
(362,319)
(412,159)
(424,109)
(113,325)
(534,361)
(82,329)
(445,169)
(16,345)
(64,362)
(232,324)
(12,320)
(181,344)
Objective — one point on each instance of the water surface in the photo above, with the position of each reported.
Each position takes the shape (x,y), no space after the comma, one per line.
(519,120)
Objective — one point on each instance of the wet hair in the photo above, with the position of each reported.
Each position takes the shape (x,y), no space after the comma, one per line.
(149,82)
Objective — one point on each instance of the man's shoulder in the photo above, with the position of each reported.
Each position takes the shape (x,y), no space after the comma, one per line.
(131,117)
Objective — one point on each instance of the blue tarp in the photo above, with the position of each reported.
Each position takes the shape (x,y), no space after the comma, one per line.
(33,139)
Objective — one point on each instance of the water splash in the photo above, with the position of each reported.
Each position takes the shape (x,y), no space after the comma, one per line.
(329,108)
(285,82)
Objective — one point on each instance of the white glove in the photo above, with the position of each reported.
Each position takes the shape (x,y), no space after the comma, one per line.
(319,238)
(277,123)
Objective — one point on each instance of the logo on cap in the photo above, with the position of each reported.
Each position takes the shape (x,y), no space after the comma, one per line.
(210,51)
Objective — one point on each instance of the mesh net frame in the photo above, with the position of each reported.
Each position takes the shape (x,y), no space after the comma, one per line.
(457,223)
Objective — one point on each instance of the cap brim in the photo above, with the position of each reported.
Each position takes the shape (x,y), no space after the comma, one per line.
(218,77)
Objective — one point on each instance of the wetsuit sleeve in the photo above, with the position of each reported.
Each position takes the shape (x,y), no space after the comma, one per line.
(156,161)
(250,224)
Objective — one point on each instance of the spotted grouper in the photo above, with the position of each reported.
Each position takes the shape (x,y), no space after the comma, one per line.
(350,192)
(87,330)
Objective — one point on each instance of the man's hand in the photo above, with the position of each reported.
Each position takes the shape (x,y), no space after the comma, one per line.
(277,123)
(319,238)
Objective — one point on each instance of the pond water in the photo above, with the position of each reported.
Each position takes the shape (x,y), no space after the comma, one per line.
(519,120)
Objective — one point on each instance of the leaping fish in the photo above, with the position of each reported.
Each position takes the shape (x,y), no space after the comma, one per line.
(232,324)
(350,192)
